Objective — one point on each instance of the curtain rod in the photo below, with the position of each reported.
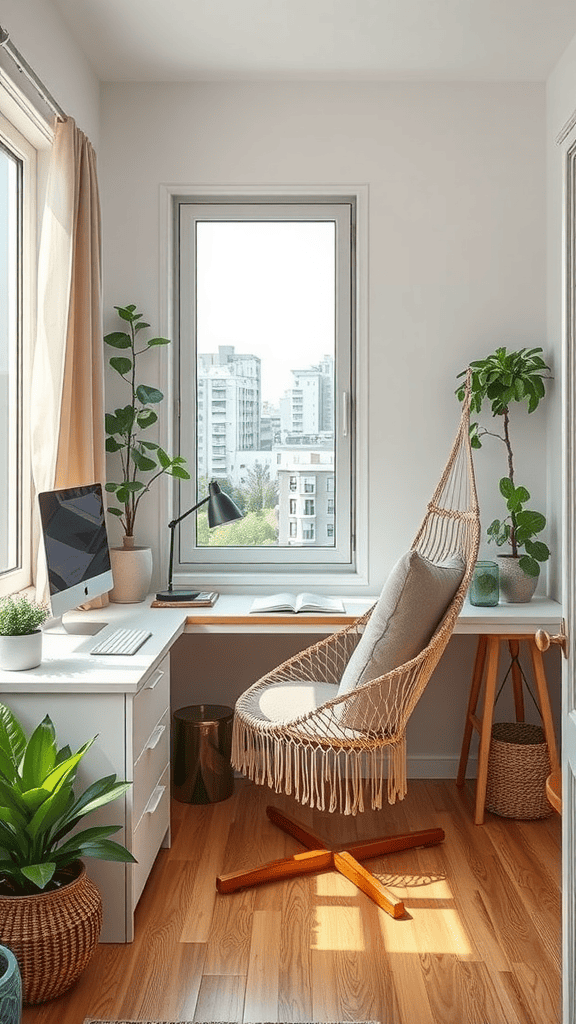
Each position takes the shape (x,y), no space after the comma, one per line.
(28,73)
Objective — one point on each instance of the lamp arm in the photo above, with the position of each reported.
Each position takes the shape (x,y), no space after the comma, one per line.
(172,527)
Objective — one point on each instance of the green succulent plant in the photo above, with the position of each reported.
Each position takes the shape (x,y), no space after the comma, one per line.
(501,379)
(38,808)
(19,616)
(138,456)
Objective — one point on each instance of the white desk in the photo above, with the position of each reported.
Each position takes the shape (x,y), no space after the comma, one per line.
(126,701)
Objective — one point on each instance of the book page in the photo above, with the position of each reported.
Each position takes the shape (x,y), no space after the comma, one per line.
(274,603)
(318,603)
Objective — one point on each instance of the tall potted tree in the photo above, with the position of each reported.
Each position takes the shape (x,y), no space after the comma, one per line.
(503,378)
(140,461)
(50,911)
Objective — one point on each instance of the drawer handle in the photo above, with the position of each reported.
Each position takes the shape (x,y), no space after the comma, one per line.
(155,737)
(154,800)
(154,679)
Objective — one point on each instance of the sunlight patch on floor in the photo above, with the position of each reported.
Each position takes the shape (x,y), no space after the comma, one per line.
(338,928)
(333,884)
(425,930)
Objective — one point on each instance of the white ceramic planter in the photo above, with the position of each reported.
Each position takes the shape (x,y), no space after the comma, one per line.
(132,574)
(18,653)
(515,586)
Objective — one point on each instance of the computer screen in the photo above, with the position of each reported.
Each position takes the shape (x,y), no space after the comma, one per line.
(76,545)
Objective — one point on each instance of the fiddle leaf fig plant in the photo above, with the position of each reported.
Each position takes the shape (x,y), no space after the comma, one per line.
(501,379)
(39,810)
(138,456)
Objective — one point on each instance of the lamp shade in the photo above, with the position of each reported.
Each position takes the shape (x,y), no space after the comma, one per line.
(221,508)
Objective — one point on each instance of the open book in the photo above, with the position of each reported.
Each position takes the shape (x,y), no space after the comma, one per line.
(297,603)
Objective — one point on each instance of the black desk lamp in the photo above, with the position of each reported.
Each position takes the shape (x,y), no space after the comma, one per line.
(221,509)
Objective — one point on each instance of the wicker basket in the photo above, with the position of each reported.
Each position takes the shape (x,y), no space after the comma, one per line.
(52,934)
(518,766)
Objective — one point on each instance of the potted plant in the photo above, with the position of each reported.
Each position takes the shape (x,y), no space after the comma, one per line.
(501,379)
(50,911)
(140,460)
(20,635)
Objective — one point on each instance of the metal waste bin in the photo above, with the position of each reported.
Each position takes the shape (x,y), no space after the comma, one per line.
(202,746)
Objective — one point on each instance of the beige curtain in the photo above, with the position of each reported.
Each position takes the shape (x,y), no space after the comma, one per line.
(67,399)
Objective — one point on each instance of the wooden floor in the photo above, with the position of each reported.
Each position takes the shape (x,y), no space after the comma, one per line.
(480,943)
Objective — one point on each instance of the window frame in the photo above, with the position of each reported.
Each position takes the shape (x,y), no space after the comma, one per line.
(355,577)
(20,576)
(284,559)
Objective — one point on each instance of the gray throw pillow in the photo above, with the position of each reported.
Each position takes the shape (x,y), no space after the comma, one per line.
(412,604)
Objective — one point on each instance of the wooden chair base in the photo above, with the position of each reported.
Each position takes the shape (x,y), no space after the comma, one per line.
(318,858)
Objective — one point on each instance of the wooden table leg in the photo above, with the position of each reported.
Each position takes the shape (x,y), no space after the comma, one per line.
(544,698)
(477,675)
(493,645)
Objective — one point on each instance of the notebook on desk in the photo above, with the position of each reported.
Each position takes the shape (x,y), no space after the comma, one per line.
(204,599)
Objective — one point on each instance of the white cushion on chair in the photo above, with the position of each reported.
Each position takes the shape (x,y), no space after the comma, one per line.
(413,602)
(284,701)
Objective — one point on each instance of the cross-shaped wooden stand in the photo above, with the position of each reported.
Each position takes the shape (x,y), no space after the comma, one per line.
(318,858)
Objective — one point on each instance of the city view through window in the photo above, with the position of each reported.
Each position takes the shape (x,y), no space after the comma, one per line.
(265,371)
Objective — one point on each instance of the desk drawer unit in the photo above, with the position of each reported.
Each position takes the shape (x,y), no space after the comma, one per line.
(149,834)
(150,703)
(151,764)
(150,795)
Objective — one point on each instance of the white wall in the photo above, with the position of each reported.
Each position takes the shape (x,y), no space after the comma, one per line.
(456,246)
(37,30)
(456,178)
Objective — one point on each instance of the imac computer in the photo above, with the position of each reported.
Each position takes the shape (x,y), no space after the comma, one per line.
(76,546)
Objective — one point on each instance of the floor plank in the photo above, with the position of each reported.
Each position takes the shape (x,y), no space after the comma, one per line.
(480,942)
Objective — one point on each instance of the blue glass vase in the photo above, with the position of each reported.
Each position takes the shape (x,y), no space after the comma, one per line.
(10,988)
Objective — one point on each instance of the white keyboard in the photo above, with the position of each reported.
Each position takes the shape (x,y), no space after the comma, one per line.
(122,641)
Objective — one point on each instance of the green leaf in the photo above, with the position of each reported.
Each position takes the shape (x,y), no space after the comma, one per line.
(40,756)
(134,485)
(98,793)
(141,326)
(111,487)
(124,312)
(125,419)
(121,364)
(150,446)
(8,768)
(530,522)
(112,445)
(179,473)
(50,810)
(163,458)
(34,798)
(12,736)
(148,395)
(106,849)
(118,339)
(39,874)
(158,341)
(142,462)
(146,417)
(506,487)
(529,566)
(538,550)
(64,769)
(115,511)
(89,835)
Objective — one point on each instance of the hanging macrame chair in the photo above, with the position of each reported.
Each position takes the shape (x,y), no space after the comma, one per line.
(316,730)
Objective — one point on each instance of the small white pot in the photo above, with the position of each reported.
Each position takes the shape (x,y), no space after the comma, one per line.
(515,586)
(132,574)
(18,653)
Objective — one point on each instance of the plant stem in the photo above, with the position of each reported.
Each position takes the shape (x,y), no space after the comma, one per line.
(511,478)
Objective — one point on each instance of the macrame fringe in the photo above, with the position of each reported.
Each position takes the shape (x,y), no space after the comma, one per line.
(329,780)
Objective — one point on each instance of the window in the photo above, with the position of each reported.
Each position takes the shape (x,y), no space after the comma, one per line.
(330,506)
(329,529)
(265,302)
(17,292)
(293,528)
(308,531)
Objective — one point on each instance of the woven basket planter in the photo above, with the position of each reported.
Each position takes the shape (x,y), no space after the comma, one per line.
(518,766)
(52,934)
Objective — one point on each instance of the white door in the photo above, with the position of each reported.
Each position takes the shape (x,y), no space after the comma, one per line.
(569,593)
